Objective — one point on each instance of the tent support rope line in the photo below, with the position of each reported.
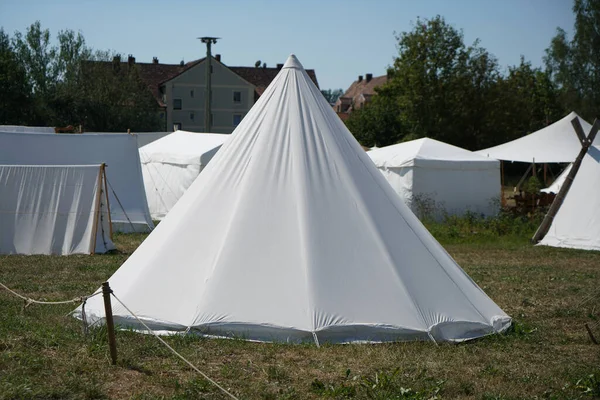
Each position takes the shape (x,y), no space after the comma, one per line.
(174,351)
(120,205)
(29,300)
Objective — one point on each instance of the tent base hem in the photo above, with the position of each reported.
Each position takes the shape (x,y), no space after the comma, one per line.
(448,331)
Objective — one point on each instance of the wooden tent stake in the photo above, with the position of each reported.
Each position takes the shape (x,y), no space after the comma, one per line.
(110,326)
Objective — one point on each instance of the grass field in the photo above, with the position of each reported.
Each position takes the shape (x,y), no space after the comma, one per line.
(548,354)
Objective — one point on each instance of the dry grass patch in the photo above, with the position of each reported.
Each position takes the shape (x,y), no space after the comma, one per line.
(44,354)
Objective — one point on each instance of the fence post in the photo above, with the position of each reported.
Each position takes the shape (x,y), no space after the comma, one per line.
(110,326)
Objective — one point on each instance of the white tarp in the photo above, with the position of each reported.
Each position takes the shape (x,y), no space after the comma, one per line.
(556,143)
(129,208)
(577,223)
(433,177)
(291,234)
(560,179)
(53,210)
(171,164)
(26,129)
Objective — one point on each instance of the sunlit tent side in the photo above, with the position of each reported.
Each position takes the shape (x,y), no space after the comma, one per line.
(290,234)
(129,208)
(56,209)
(434,178)
(577,223)
(171,164)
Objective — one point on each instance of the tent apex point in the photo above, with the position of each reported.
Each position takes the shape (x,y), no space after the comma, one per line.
(293,62)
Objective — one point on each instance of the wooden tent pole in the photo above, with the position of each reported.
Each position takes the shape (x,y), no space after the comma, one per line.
(502,199)
(545,180)
(553,210)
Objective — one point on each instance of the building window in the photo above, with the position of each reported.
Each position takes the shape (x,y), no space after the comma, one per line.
(176,104)
(192,116)
(177,126)
(237,118)
(211,69)
(192,94)
(237,97)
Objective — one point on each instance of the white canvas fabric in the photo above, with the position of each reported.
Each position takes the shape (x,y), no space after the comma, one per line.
(26,129)
(54,210)
(435,178)
(556,143)
(171,164)
(560,179)
(143,138)
(291,234)
(129,208)
(577,223)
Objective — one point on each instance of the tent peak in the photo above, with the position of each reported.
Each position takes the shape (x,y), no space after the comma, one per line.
(292,62)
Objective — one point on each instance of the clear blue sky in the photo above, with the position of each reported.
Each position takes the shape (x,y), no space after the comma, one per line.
(339,39)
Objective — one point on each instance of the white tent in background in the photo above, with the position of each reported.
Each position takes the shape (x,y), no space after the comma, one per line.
(26,129)
(555,143)
(129,208)
(427,174)
(54,210)
(143,138)
(577,223)
(291,234)
(171,164)
(560,179)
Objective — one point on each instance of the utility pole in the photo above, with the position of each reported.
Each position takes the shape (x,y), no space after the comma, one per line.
(207,112)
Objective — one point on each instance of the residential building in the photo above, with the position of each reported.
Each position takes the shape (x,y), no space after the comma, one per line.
(180,91)
(358,94)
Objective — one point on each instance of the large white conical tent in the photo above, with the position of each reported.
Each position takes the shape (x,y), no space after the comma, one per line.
(292,234)
(577,223)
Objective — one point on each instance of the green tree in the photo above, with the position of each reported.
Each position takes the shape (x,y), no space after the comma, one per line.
(575,65)
(437,87)
(377,123)
(15,101)
(69,84)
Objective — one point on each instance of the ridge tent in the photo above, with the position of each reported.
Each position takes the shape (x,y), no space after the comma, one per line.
(434,177)
(54,209)
(552,144)
(577,223)
(171,164)
(291,234)
(129,208)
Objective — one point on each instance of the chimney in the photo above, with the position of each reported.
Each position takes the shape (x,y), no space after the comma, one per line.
(218,57)
(279,66)
(154,60)
(130,60)
(369,77)
(360,78)
(116,63)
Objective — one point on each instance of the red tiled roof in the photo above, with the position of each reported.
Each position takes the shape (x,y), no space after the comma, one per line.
(157,74)
(262,77)
(364,88)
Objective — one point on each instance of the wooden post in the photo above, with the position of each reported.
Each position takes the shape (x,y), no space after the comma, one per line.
(562,193)
(502,199)
(545,180)
(110,326)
